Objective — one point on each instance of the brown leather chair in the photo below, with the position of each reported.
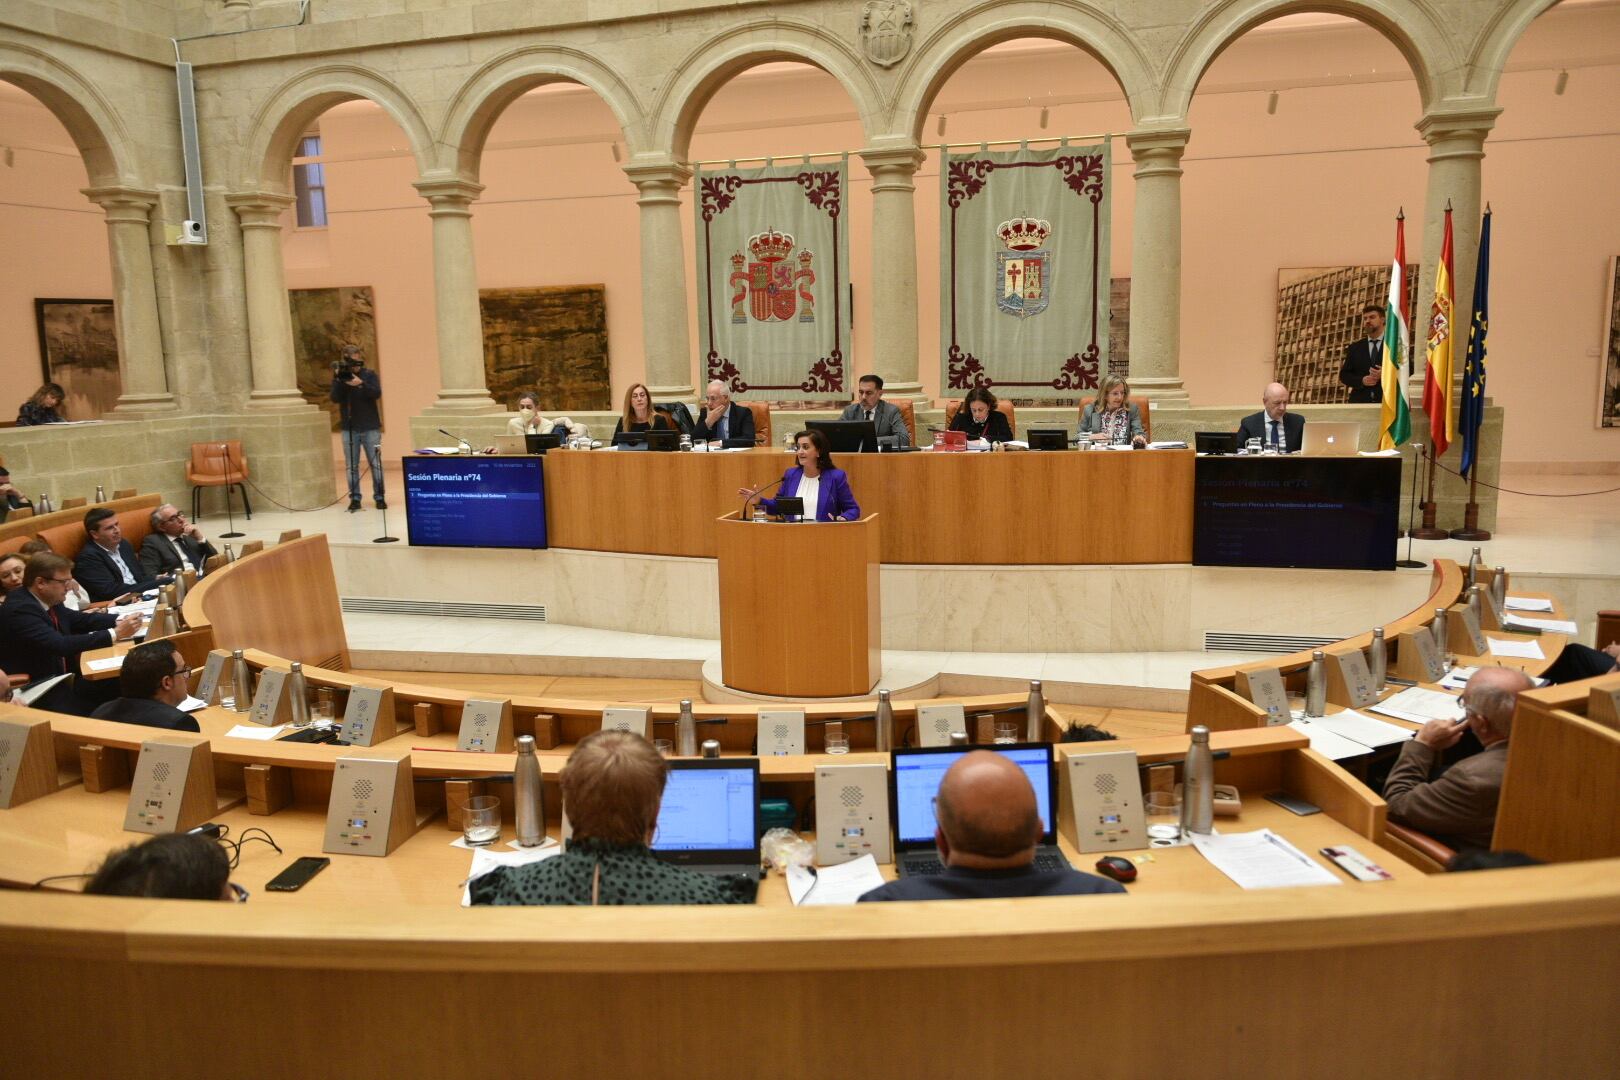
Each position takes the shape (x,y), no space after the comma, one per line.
(65,539)
(1005,408)
(762,421)
(217,464)
(1608,628)
(1141,407)
(1419,849)
(908,413)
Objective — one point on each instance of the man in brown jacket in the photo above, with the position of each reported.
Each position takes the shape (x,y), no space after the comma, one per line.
(1459,806)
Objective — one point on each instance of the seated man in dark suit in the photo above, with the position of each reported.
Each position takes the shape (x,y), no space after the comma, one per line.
(1458,807)
(987,832)
(1576,662)
(153,682)
(174,544)
(42,638)
(723,418)
(106,566)
(885,417)
(1274,425)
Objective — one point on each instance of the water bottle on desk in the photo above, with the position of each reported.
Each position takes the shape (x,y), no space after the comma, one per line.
(528,791)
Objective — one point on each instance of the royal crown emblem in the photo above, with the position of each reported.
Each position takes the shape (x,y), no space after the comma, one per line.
(769,288)
(1024,270)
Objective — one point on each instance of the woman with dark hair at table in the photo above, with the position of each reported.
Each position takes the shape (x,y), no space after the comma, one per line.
(979,418)
(639,414)
(1114,415)
(824,489)
(41,408)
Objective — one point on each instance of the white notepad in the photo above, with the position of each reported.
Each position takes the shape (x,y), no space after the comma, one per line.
(1520,650)
(1417,705)
(1262,860)
(1525,603)
(1364,729)
(1328,743)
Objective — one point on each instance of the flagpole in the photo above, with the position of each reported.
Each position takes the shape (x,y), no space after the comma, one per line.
(1471,529)
(1428,531)
(1473,385)
(1411,512)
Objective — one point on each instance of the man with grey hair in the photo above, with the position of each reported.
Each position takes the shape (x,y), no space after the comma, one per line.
(1274,425)
(174,544)
(1458,807)
(721,418)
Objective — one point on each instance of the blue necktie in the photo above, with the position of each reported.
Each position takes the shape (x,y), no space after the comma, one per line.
(1275,439)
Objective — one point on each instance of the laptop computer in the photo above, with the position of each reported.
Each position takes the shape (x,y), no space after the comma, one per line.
(1332,439)
(510,444)
(914,776)
(709,819)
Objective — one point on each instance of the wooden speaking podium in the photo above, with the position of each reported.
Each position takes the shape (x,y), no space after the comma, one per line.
(799,607)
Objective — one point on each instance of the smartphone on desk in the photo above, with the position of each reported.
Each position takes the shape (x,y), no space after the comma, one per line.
(1293,805)
(293,878)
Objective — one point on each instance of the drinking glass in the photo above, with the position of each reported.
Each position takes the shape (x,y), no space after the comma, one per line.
(481,820)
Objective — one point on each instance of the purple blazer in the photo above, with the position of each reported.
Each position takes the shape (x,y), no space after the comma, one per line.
(836,500)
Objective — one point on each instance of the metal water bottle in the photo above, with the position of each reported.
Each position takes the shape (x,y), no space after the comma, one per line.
(162,624)
(1474,562)
(1476,601)
(241,682)
(1035,714)
(182,585)
(1316,685)
(884,722)
(43,506)
(1378,665)
(298,695)
(101,494)
(959,738)
(1198,786)
(528,793)
(1442,632)
(711,748)
(686,744)
(230,554)
(1499,587)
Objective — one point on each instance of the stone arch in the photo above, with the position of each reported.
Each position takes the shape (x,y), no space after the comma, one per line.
(278,124)
(1411,27)
(94,125)
(962,37)
(1496,42)
(484,96)
(739,48)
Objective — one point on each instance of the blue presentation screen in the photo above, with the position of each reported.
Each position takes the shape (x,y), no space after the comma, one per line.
(707,810)
(493,502)
(917,777)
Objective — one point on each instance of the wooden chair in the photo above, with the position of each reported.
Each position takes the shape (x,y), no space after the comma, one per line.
(74,504)
(290,534)
(124,493)
(762,422)
(1141,407)
(1005,408)
(217,464)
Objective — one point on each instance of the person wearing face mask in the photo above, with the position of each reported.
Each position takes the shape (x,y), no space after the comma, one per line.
(824,489)
(528,421)
(1114,415)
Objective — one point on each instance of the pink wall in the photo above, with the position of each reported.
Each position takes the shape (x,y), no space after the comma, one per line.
(1315,184)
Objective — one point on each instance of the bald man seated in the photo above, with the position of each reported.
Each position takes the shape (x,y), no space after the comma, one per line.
(1274,425)
(987,830)
(1458,807)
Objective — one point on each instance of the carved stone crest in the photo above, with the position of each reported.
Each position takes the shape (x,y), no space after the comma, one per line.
(886,31)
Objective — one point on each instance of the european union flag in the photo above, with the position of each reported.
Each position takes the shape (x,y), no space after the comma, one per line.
(1471,410)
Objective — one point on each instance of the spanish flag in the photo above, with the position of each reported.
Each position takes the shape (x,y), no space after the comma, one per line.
(1437,377)
(1396,426)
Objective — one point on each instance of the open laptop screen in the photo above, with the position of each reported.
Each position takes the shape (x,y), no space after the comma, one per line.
(917,772)
(709,805)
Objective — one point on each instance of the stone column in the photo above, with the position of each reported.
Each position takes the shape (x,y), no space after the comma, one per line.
(894,268)
(135,306)
(270,340)
(1156,265)
(1456,138)
(462,388)
(666,334)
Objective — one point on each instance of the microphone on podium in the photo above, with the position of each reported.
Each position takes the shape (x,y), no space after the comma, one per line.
(742,515)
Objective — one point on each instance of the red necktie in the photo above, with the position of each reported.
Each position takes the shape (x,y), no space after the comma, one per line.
(61,660)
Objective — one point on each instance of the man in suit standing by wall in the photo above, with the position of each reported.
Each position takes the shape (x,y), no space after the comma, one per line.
(174,544)
(887,418)
(106,566)
(1274,425)
(1364,360)
(723,418)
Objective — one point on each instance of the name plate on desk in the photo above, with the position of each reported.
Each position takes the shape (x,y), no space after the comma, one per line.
(1465,632)
(781,732)
(486,726)
(935,723)
(208,684)
(631,720)
(368,717)
(173,788)
(271,705)
(1265,688)
(1349,681)
(27,758)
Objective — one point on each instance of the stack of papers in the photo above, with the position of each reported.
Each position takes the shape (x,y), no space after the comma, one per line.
(1557,626)
(841,884)
(1168,444)
(1416,705)
(1262,860)
(254,731)
(106,663)
(143,607)
(1392,452)
(1525,603)
(1349,734)
(1521,650)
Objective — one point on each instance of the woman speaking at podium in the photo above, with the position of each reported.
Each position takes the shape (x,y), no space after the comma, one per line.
(824,489)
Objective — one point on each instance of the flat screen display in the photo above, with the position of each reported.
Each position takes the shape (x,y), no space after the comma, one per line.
(492,502)
(917,777)
(707,810)
(1337,513)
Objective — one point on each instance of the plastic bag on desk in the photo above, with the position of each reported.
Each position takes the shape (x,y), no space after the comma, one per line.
(782,848)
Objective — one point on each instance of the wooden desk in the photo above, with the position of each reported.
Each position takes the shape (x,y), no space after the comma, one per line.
(1008,508)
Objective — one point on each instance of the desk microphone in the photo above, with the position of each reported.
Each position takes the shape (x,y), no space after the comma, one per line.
(461,444)
(742,515)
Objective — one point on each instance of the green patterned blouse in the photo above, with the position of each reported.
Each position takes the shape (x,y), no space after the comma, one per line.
(630,874)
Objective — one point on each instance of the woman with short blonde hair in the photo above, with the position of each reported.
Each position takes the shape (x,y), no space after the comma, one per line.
(1114,414)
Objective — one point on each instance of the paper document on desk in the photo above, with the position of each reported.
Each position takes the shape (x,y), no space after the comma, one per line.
(486,859)
(1521,650)
(36,691)
(841,884)
(192,704)
(1262,860)
(1556,626)
(1526,603)
(1417,705)
(254,731)
(1168,444)
(1363,729)
(106,663)
(143,607)
(1328,743)
(1379,453)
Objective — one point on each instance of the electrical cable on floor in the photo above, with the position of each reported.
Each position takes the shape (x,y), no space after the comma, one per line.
(1530,494)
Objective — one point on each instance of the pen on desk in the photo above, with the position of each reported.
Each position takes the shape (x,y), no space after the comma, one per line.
(1274,839)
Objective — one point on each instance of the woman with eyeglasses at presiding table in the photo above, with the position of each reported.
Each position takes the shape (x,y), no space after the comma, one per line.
(1113,416)
(824,489)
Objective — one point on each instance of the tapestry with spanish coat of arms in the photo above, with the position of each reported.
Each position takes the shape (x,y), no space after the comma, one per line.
(1024,275)
(772,272)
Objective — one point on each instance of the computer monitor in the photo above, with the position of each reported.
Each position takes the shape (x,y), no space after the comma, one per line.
(915,773)
(710,812)
(663,439)
(847,436)
(1048,438)
(1216,442)
(539,444)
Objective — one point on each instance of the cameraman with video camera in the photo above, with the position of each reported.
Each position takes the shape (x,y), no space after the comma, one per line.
(356,390)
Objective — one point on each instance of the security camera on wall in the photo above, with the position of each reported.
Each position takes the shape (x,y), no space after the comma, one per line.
(193,232)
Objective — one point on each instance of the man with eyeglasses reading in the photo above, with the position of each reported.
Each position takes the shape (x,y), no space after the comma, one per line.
(153,682)
(174,544)
(42,638)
